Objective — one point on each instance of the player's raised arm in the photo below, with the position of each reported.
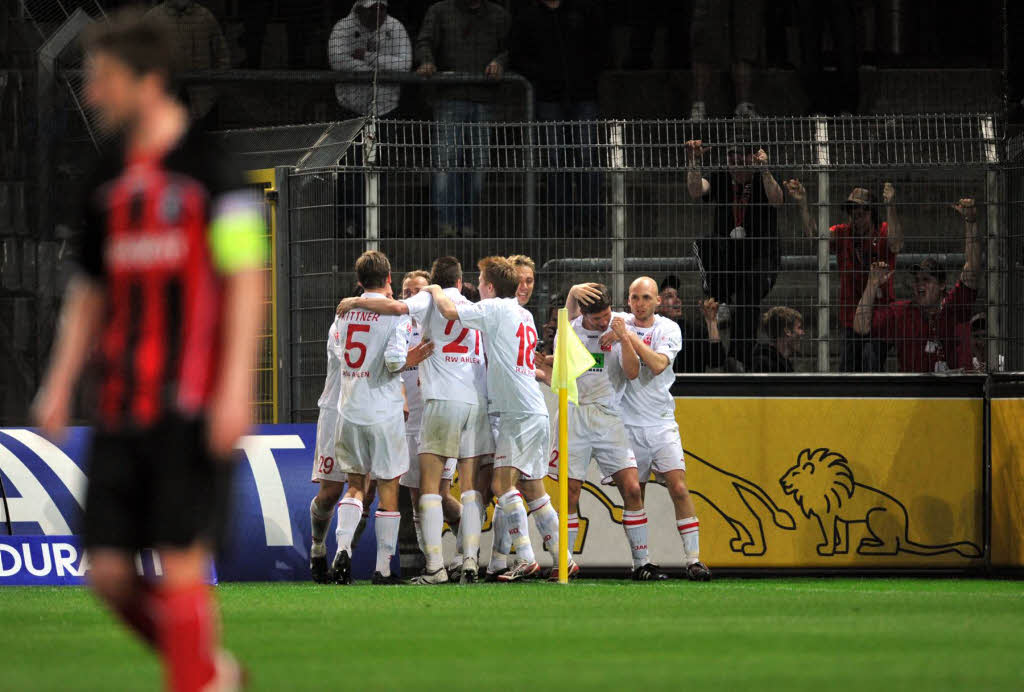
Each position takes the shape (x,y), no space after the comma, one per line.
(445,305)
(584,294)
(381,306)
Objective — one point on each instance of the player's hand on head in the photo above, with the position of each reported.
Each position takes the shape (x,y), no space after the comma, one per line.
(585,294)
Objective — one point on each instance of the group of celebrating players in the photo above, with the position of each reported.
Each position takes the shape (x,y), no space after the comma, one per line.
(420,387)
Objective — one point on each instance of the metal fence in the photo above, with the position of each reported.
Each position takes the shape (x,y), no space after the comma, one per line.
(611,201)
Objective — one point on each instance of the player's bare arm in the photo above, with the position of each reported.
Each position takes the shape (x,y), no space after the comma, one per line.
(229,408)
(630,360)
(381,306)
(418,353)
(80,318)
(444,304)
(655,362)
(584,294)
(543,365)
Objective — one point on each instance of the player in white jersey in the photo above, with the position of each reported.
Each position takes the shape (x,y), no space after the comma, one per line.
(595,426)
(454,414)
(413,283)
(371,435)
(522,439)
(648,410)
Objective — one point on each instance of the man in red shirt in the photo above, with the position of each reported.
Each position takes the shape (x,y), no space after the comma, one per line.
(925,328)
(858,244)
(168,295)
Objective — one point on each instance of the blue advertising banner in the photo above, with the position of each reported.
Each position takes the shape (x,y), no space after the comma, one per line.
(269,518)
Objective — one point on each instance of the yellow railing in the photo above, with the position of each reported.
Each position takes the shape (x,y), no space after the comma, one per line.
(265,376)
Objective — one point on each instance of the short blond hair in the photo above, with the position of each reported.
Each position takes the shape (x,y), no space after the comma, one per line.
(500,273)
(417,274)
(523,261)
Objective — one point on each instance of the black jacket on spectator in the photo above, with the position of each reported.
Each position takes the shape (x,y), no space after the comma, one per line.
(562,50)
(767,358)
(760,249)
(698,353)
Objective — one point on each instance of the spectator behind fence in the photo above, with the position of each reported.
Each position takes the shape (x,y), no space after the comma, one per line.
(925,327)
(742,255)
(550,327)
(829,93)
(367,40)
(973,345)
(858,244)
(702,346)
(725,32)
(785,330)
(199,45)
(469,37)
(561,46)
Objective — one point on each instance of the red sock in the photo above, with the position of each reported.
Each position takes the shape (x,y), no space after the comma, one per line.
(138,611)
(188,637)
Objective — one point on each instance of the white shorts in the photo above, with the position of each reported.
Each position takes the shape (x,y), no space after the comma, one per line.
(594,433)
(455,429)
(658,449)
(411,478)
(378,450)
(523,441)
(324,466)
(494,419)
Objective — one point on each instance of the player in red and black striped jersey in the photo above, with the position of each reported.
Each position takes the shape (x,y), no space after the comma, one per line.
(169,292)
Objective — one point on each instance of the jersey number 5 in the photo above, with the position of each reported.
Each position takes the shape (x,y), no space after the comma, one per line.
(352,345)
(527,344)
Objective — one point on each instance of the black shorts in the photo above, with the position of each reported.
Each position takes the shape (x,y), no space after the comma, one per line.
(158,487)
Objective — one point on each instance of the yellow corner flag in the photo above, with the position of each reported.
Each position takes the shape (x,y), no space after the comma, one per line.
(572,359)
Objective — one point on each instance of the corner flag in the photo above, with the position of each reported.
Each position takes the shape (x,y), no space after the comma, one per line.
(572,359)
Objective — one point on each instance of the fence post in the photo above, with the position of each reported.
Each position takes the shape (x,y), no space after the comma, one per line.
(992,235)
(822,161)
(282,259)
(618,164)
(371,183)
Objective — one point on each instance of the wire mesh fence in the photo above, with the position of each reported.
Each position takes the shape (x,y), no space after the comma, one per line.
(762,214)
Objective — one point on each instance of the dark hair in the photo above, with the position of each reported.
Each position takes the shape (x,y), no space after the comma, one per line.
(446,272)
(599,305)
(778,320)
(470,292)
(500,273)
(143,42)
(373,269)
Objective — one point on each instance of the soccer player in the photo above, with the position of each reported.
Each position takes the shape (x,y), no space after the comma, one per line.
(523,434)
(371,434)
(596,429)
(413,283)
(170,288)
(454,414)
(650,343)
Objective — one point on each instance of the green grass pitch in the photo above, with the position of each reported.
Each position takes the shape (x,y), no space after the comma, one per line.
(764,634)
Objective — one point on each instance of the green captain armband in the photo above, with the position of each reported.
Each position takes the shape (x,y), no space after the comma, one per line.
(237,233)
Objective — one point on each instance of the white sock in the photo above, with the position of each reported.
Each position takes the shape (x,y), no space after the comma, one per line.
(386,528)
(689,531)
(419,530)
(320,521)
(546,519)
(635,524)
(470,524)
(431,522)
(499,551)
(350,511)
(574,529)
(515,520)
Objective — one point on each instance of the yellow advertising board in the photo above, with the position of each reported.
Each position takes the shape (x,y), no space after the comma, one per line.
(1007,420)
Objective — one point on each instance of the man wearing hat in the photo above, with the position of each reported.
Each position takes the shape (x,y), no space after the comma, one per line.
(858,243)
(742,254)
(925,328)
(367,40)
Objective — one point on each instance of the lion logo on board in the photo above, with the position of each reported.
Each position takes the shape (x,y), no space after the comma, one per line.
(822,485)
